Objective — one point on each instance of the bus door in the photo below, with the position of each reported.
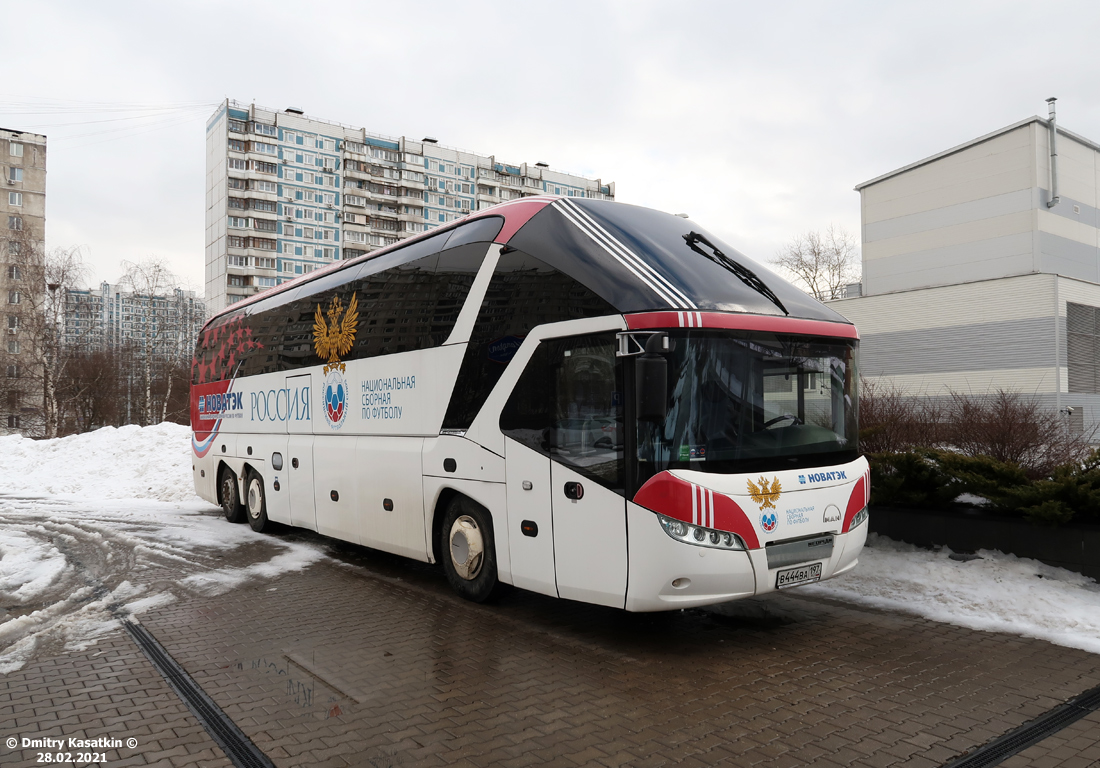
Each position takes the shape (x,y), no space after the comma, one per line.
(299,450)
(530,520)
(568,407)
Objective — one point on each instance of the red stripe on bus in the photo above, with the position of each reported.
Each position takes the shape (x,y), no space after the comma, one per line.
(672,497)
(856,502)
(515,216)
(741,322)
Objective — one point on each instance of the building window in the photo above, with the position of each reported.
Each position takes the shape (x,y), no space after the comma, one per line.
(15,149)
(1082,346)
(15,198)
(13,322)
(13,371)
(15,174)
(13,297)
(13,347)
(236,164)
(237,184)
(265,282)
(14,273)
(13,422)
(15,223)
(236,145)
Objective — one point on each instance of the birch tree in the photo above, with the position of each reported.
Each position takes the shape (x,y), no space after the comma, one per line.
(35,354)
(162,321)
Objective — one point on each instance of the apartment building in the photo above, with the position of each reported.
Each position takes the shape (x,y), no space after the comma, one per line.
(981,270)
(23,218)
(114,317)
(287,194)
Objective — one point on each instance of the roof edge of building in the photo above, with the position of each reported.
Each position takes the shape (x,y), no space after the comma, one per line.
(1017,276)
(974,142)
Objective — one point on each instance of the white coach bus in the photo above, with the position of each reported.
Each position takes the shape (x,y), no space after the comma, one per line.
(581,398)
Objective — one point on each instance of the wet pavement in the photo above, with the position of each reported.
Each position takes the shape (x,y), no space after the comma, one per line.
(366,659)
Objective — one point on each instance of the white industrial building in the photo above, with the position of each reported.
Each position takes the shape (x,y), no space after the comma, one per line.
(981,270)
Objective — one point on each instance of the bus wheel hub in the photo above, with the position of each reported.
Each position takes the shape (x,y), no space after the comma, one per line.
(467,547)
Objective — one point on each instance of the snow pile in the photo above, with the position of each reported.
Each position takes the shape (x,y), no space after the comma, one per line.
(125,463)
(27,567)
(998,593)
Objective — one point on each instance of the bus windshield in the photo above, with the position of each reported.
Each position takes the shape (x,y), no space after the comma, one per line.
(745,402)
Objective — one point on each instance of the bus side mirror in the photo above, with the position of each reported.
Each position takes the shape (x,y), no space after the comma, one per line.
(651,377)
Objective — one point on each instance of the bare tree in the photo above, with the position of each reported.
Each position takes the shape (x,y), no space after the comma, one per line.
(824,262)
(1016,429)
(163,319)
(36,353)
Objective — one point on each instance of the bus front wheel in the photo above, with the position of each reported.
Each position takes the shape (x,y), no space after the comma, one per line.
(257,503)
(231,502)
(469,559)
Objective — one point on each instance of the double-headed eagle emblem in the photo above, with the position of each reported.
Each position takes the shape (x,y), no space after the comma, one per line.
(333,339)
(765,495)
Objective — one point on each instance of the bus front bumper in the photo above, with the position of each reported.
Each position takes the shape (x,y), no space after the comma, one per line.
(665,574)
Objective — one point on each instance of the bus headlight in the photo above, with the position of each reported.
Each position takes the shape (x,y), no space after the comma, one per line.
(859,519)
(699,536)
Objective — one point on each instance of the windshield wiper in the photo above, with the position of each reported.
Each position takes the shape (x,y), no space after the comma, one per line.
(743,273)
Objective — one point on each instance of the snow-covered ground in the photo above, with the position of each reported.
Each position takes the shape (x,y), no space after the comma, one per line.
(100,525)
(96,526)
(999,592)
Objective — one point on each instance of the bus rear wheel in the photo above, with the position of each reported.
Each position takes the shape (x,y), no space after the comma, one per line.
(230,499)
(469,556)
(256,503)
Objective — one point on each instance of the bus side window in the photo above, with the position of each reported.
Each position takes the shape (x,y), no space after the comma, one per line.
(414,305)
(568,405)
(524,293)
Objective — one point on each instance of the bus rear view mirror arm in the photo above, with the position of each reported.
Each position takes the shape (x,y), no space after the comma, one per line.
(651,375)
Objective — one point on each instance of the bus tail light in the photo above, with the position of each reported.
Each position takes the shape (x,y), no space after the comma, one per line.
(699,536)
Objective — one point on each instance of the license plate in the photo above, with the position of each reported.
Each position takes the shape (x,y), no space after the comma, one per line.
(792,577)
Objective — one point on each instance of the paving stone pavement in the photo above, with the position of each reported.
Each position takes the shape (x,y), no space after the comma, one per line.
(369,660)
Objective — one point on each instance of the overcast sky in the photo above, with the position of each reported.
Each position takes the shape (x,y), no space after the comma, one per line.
(755,118)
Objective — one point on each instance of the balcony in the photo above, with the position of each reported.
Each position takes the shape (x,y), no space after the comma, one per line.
(359,175)
(252,194)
